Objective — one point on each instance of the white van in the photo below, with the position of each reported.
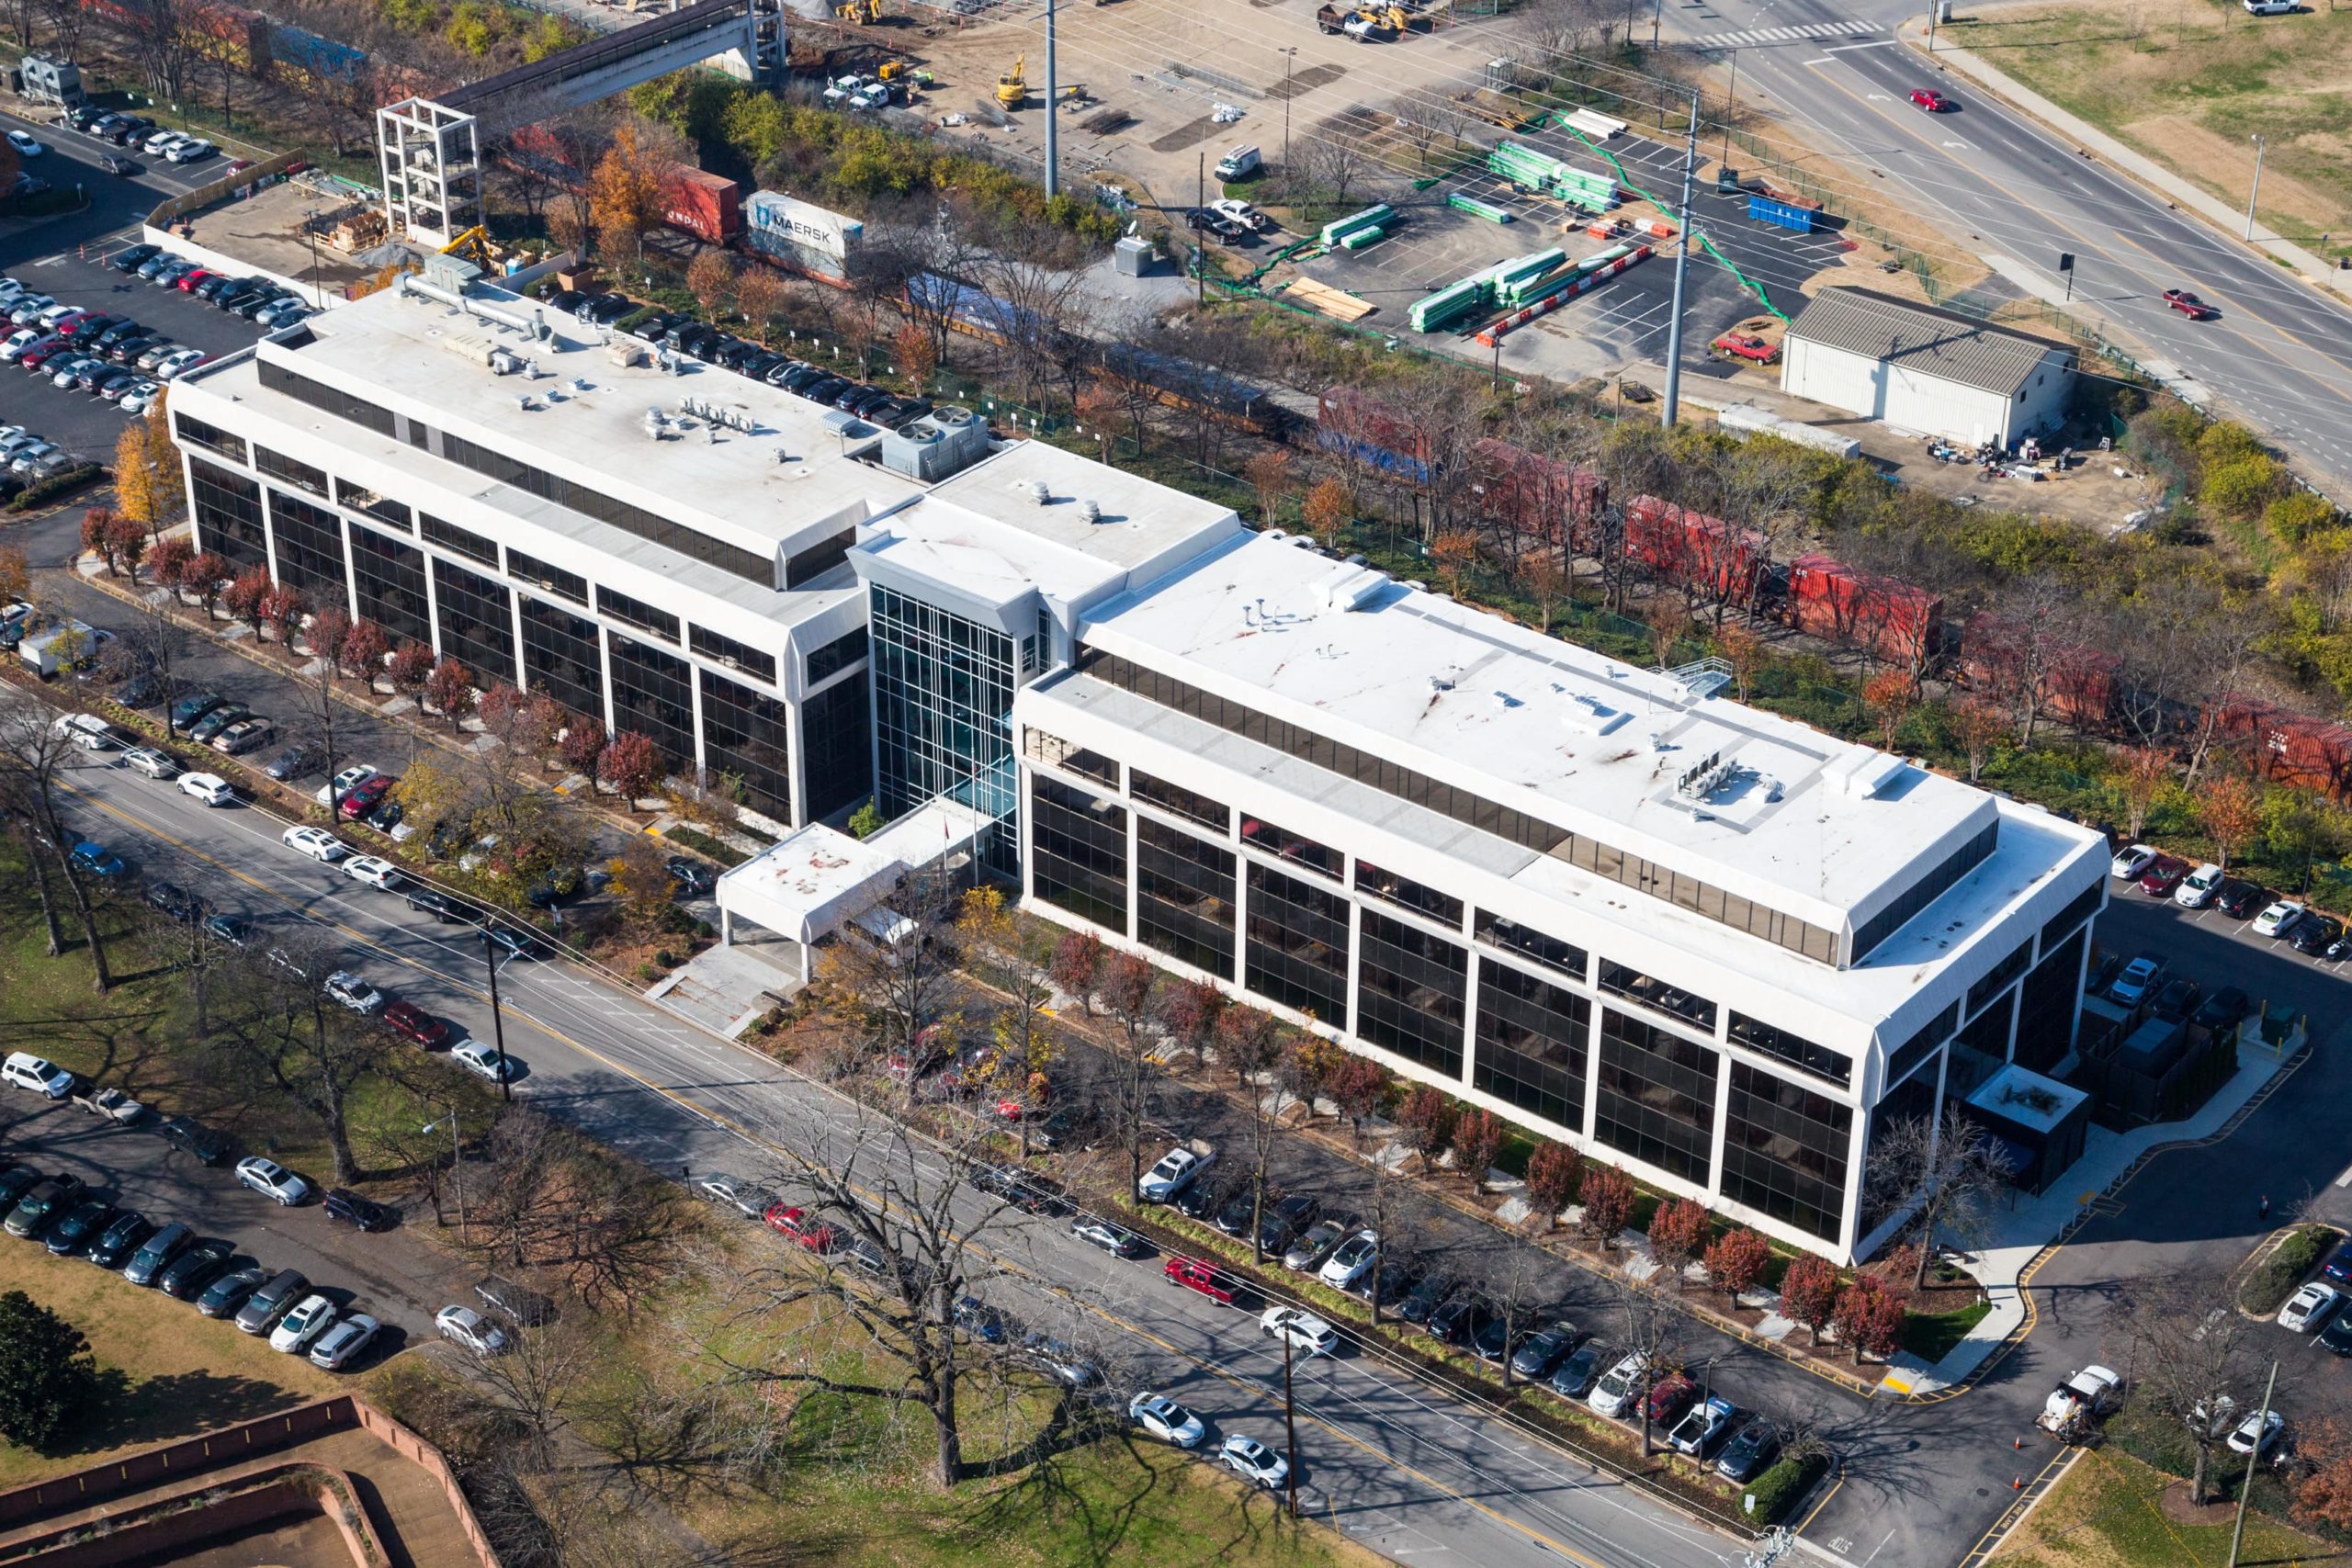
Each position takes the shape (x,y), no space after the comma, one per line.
(1239,164)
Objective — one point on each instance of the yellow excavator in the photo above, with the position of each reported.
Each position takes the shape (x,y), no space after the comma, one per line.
(860,13)
(473,246)
(1013,88)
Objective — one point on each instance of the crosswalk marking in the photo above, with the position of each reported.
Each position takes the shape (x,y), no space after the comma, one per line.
(1785,35)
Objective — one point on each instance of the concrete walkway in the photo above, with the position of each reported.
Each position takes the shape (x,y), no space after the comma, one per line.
(2183,195)
(2035,1226)
(726,989)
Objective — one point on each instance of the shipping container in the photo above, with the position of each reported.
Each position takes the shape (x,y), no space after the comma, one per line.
(701,204)
(1369,431)
(2290,747)
(1828,598)
(2078,683)
(802,237)
(1685,548)
(1537,497)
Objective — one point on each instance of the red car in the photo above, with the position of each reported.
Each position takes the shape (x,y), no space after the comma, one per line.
(1673,1395)
(1200,1274)
(416,1025)
(366,797)
(814,1234)
(194,276)
(2189,305)
(2164,874)
(1929,99)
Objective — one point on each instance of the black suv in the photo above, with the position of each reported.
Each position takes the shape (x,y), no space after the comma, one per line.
(352,1208)
(193,1137)
(120,1239)
(87,1222)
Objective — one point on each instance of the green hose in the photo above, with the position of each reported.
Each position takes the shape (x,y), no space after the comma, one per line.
(1709,246)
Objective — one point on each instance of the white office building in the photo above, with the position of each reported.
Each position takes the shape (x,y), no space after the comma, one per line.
(1689,937)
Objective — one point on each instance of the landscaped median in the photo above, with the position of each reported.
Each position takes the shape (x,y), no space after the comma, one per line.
(2281,1264)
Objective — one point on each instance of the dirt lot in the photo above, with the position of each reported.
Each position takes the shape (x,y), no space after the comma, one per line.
(2188,82)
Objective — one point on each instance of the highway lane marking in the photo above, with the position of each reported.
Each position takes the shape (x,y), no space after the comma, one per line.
(724,1123)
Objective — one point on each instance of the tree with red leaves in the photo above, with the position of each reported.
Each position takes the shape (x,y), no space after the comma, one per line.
(1356,1085)
(205,577)
(363,648)
(500,709)
(1554,1173)
(1478,1143)
(1809,1293)
(2323,1496)
(98,536)
(1678,1232)
(541,724)
(407,668)
(328,629)
(1428,1119)
(583,746)
(1076,967)
(246,596)
(1869,1317)
(284,609)
(450,687)
(1736,1260)
(1609,1198)
(128,542)
(167,563)
(1189,1011)
(633,765)
(1124,983)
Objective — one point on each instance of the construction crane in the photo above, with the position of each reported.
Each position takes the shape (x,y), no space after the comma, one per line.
(861,13)
(473,246)
(1013,88)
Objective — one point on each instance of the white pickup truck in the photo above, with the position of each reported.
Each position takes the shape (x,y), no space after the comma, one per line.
(2082,1400)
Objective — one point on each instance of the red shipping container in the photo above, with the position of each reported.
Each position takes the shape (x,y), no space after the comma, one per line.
(1538,497)
(2291,748)
(1829,599)
(1680,546)
(703,205)
(2077,683)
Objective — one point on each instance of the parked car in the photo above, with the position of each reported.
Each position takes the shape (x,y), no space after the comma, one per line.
(2310,1307)
(1543,1350)
(2239,899)
(245,735)
(1573,1377)
(1310,1250)
(365,796)
(2197,889)
(156,1253)
(80,1225)
(185,1278)
(2315,933)
(311,1317)
(38,1073)
(344,1341)
(1707,1424)
(1619,1387)
(2279,919)
(1670,1397)
(97,860)
(417,1026)
(292,762)
(1427,1295)
(174,902)
(273,1180)
(2258,1432)
(2222,1010)
(486,1061)
(119,1240)
(355,991)
(1306,1333)
(1177,1170)
(797,1225)
(192,1137)
(44,1203)
(269,1299)
(1166,1420)
(221,716)
(2164,874)
(1253,1460)
(2139,980)
(2174,1002)
(363,1214)
(2131,860)
(1750,1452)
(1350,1261)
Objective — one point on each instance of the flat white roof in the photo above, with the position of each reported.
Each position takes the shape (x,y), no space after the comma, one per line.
(1030,515)
(1816,825)
(807,882)
(2026,1097)
(770,482)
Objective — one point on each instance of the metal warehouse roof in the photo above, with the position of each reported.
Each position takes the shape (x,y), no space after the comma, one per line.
(1935,342)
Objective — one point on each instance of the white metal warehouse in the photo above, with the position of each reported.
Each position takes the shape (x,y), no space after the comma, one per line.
(1924,370)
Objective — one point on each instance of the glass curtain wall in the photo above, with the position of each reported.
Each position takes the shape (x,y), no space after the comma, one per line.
(943,692)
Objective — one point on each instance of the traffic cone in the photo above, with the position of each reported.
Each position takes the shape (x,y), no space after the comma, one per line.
(2017,1484)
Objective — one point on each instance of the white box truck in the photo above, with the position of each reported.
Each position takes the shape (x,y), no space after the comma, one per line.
(1239,164)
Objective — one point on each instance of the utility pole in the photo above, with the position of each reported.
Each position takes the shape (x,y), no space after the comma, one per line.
(1290,1425)
(2255,195)
(1932,4)
(1731,106)
(497,1019)
(457,1170)
(2237,1535)
(1682,270)
(1053,128)
(1200,251)
(1290,57)
(1655,12)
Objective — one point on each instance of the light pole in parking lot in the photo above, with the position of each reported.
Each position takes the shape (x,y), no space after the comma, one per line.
(2255,194)
(1289,1427)
(497,1019)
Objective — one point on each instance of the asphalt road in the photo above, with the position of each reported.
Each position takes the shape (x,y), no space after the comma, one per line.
(2280,355)
(1412,1473)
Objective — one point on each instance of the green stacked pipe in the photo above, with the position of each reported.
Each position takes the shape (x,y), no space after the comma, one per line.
(1487,211)
(1519,271)
(1450,304)
(1339,228)
(1358,239)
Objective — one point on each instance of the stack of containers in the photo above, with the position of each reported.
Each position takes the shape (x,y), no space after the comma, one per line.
(1337,231)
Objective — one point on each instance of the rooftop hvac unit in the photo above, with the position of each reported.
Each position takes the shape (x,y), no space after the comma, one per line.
(626,351)
(473,349)
(947,440)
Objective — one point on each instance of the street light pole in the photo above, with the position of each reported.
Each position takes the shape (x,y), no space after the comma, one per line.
(497,1019)
(1655,12)
(2237,1535)
(2255,194)
(1731,107)
(456,1171)
(1290,57)
(1290,1425)
(1053,129)
(1682,270)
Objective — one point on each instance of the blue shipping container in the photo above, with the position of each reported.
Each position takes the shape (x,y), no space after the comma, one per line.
(1782,214)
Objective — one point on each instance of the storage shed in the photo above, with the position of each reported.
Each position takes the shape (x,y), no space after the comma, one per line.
(1924,370)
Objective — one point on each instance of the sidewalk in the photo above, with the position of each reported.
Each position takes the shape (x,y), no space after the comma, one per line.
(2227,219)
(2038,1227)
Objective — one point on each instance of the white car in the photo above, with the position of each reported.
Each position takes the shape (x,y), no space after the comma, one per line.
(344,783)
(2139,980)
(272,1180)
(148,761)
(1352,1261)
(1174,1172)
(2268,1423)
(315,843)
(2131,860)
(42,1076)
(2279,919)
(312,1317)
(209,788)
(1621,1386)
(2310,1307)
(140,399)
(484,1061)
(338,1344)
(1306,1332)
(463,1326)
(16,343)
(187,359)
(353,992)
(24,146)
(1166,1419)
(1248,1457)
(373,870)
(190,152)
(2197,888)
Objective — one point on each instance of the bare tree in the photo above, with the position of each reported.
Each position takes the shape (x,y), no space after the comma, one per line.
(1126,989)
(1520,1288)
(1944,1172)
(34,754)
(898,997)
(1021,1025)
(536,1379)
(1251,1042)
(314,1052)
(1655,1331)
(2195,1359)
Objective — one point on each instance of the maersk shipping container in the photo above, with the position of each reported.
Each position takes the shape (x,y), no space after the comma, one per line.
(801,236)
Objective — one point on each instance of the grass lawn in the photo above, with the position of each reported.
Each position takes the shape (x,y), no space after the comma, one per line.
(1931,1336)
(2188,82)
(2108,1513)
(168,1373)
